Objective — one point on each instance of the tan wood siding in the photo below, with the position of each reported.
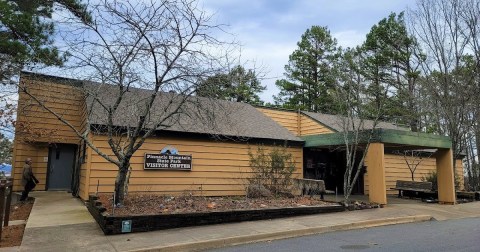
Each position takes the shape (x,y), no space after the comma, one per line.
(460,174)
(288,119)
(39,155)
(311,127)
(36,124)
(396,168)
(218,168)
(36,127)
(298,124)
(85,172)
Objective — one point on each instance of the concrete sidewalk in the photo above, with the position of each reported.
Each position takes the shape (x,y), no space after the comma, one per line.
(59,222)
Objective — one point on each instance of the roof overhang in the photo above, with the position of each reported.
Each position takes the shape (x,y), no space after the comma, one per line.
(391,138)
(101,129)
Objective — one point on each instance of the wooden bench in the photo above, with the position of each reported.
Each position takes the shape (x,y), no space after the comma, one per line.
(416,187)
(310,186)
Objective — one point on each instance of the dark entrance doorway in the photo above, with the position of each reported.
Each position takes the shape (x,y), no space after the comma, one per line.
(329,166)
(61,159)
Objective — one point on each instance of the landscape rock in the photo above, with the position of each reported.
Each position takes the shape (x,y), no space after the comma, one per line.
(258,191)
(211,205)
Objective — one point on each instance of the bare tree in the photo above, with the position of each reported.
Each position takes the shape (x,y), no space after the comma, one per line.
(356,104)
(441,32)
(471,165)
(8,108)
(143,61)
(413,158)
(470,15)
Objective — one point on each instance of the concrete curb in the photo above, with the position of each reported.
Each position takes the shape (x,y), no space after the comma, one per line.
(231,241)
(16,222)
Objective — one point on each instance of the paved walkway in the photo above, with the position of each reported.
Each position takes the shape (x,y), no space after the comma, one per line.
(59,222)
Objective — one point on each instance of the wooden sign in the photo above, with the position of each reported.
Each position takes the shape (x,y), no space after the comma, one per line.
(167,162)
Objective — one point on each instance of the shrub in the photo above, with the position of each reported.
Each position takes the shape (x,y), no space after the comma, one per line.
(432,177)
(272,169)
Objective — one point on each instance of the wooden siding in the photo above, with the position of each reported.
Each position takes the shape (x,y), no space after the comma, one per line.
(85,170)
(308,126)
(36,124)
(39,155)
(397,169)
(218,168)
(36,127)
(460,173)
(288,119)
(298,124)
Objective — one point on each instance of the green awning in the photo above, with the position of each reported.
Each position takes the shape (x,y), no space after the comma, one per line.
(387,136)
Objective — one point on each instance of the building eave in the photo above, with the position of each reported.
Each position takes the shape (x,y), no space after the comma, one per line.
(387,136)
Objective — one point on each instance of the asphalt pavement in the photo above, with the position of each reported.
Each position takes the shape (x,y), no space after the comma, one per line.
(448,235)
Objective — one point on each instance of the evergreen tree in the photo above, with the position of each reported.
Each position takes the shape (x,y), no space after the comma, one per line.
(26,33)
(391,63)
(5,150)
(237,85)
(350,93)
(309,74)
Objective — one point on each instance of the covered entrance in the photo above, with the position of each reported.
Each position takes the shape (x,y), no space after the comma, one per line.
(61,160)
(329,166)
(394,139)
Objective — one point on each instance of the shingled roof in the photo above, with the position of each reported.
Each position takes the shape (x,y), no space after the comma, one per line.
(335,122)
(196,114)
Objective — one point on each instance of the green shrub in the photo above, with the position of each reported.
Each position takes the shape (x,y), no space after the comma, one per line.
(272,169)
(432,177)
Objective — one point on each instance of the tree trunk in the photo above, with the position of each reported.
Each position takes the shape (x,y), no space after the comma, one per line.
(477,143)
(476,158)
(120,184)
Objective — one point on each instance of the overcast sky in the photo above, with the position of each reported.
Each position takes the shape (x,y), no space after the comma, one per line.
(268,30)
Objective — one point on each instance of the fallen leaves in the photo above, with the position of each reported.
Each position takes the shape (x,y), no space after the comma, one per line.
(150,204)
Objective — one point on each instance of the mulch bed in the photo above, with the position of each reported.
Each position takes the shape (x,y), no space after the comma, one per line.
(149,204)
(21,211)
(13,234)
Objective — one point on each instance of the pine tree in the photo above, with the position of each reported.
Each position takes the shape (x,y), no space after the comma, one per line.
(391,62)
(239,85)
(26,33)
(309,74)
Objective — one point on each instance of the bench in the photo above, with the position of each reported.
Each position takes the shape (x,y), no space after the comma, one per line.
(310,186)
(471,196)
(419,188)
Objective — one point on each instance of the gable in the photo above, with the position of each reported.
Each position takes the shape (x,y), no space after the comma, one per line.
(296,122)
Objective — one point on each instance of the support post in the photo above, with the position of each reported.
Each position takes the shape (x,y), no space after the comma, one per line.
(445,176)
(376,173)
(9,202)
(3,185)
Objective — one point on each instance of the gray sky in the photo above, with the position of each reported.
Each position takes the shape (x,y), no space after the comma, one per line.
(268,30)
